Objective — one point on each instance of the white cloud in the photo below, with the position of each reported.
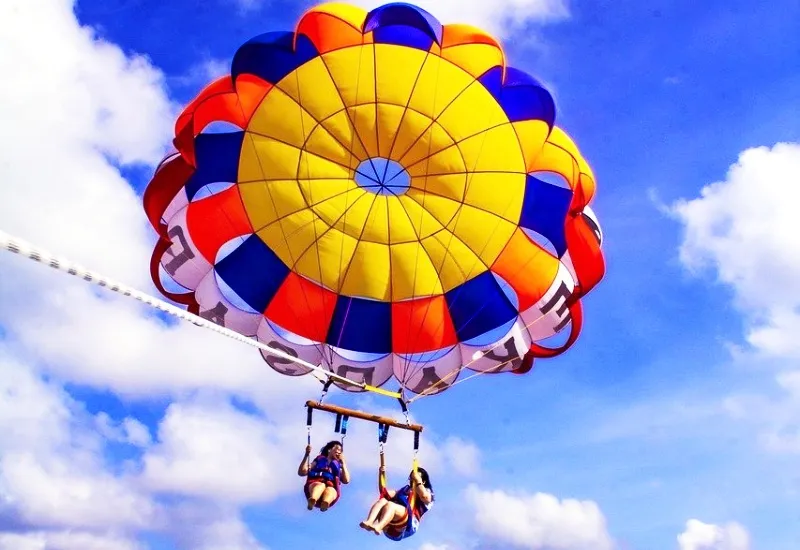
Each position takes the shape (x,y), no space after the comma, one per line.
(744,228)
(66,540)
(431,546)
(73,105)
(213,451)
(128,430)
(33,414)
(538,521)
(202,73)
(72,491)
(464,456)
(70,104)
(114,343)
(50,471)
(705,536)
(214,528)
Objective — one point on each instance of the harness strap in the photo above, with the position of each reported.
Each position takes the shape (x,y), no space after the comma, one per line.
(382,475)
(412,499)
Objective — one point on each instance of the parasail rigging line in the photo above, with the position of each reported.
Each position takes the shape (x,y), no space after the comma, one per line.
(23,248)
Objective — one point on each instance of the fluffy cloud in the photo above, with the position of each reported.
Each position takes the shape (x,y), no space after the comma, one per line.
(132,352)
(464,456)
(129,430)
(216,452)
(75,107)
(66,540)
(71,106)
(50,471)
(215,528)
(538,521)
(744,228)
(705,536)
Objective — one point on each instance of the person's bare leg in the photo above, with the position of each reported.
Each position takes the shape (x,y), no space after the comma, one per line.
(373,514)
(328,496)
(315,491)
(390,512)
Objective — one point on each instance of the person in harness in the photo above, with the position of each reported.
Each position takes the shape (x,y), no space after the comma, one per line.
(324,475)
(397,514)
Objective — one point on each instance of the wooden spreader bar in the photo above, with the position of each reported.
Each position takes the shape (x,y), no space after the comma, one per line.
(364,416)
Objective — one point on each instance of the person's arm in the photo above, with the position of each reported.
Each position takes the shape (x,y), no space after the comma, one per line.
(302,470)
(422,491)
(345,473)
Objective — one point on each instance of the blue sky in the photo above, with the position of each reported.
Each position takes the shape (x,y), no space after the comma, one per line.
(667,409)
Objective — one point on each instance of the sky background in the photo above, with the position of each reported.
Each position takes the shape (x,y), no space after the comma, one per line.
(671,425)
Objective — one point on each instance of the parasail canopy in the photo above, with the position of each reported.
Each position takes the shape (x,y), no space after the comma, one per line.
(382,195)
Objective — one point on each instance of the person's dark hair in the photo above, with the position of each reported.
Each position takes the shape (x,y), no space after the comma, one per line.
(426,479)
(328,446)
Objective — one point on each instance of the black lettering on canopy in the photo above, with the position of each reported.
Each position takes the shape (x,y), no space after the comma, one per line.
(563,293)
(287,365)
(511,355)
(428,380)
(216,314)
(365,373)
(178,258)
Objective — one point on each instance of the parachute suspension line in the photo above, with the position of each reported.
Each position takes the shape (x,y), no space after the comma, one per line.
(575,313)
(431,389)
(18,246)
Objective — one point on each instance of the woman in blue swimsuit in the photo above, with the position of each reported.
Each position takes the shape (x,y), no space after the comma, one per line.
(397,513)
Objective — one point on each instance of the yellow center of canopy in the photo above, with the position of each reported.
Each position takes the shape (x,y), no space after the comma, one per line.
(317,125)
